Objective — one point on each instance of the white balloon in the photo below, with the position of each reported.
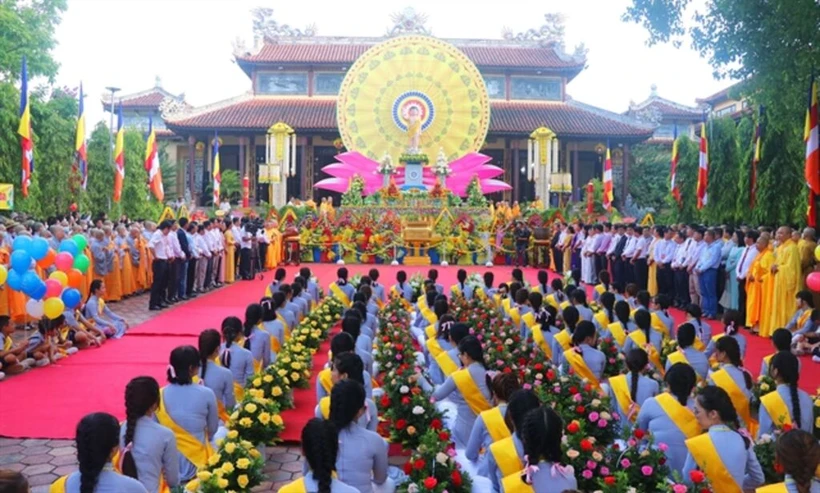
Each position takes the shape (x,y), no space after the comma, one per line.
(35,308)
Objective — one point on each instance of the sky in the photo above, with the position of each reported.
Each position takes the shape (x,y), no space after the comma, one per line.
(188,44)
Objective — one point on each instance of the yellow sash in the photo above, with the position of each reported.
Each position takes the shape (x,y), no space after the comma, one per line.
(564,305)
(496,427)
(422,302)
(325,380)
(434,348)
(773,488)
(618,332)
(187,444)
(682,416)
(238,391)
(515,316)
(7,343)
(297,486)
(430,331)
(768,360)
(505,303)
(469,391)
(324,407)
(513,484)
(275,345)
(564,338)
(100,306)
(677,357)
(338,293)
(541,341)
(620,388)
(456,291)
(580,366)
(602,318)
(58,486)
(257,366)
(220,406)
(429,315)
(550,299)
(497,299)
(777,409)
(802,318)
(725,381)
(480,293)
(284,321)
(529,319)
(446,363)
(600,289)
(639,338)
(708,460)
(506,456)
(657,324)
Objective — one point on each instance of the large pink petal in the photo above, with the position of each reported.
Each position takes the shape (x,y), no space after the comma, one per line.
(342,170)
(358,161)
(490,186)
(469,161)
(333,184)
(488,171)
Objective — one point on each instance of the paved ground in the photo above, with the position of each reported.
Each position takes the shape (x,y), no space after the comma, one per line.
(43,461)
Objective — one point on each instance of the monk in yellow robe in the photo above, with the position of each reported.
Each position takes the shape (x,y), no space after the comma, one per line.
(127,269)
(274,255)
(230,256)
(806,246)
(759,285)
(787,279)
(113,280)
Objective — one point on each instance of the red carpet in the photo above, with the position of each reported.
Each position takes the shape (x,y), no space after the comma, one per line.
(48,402)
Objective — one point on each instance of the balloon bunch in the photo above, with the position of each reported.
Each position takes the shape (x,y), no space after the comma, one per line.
(61,290)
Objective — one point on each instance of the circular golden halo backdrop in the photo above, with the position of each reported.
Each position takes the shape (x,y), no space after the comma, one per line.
(420,72)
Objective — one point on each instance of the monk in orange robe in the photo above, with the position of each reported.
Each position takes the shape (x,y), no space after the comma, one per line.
(787,280)
(127,277)
(759,286)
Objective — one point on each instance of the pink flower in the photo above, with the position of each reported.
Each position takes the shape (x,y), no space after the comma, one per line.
(556,390)
(399,356)
(587,474)
(631,442)
(647,470)
(679,488)
(577,397)
(663,447)
(499,362)
(602,423)
(594,416)
(604,471)
(527,386)
(591,464)
(625,463)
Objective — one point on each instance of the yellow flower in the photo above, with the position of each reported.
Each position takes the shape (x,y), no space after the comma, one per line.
(277,420)
(276,391)
(233,434)
(230,447)
(243,463)
(282,372)
(192,485)
(294,376)
(296,366)
(245,422)
(257,382)
(203,475)
(246,445)
(235,415)
(267,379)
(254,453)
(227,468)
(250,407)
(327,318)
(285,360)
(222,483)
(264,418)
(242,480)
(214,459)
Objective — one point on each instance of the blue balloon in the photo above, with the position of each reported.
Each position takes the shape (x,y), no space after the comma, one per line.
(70,246)
(39,248)
(20,261)
(39,291)
(15,280)
(71,297)
(21,243)
(30,282)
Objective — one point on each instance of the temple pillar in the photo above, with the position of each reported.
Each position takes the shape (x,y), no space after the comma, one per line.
(627,157)
(507,169)
(191,168)
(307,164)
(242,157)
(575,173)
(252,170)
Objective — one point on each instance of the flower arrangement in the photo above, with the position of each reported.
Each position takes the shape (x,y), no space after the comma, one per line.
(296,365)
(762,386)
(257,419)
(765,450)
(668,347)
(386,166)
(236,466)
(585,454)
(275,385)
(537,372)
(407,408)
(641,465)
(615,361)
(431,467)
(417,283)
(700,484)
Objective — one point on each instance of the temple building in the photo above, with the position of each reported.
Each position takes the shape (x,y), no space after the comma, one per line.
(667,117)
(727,102)
(295,79)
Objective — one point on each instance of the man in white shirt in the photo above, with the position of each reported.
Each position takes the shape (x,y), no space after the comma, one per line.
(205,255)
(262,241)
(629,254)
(639,259)
(174,262)
(160,248)
(236,232)
(664,255)
(691,261)
(190,234)
(681,275)
(245,252)
(742,270)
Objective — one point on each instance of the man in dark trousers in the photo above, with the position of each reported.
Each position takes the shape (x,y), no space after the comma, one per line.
(557,253)
(616,257)
(245,251)
(182,264)
(522,243)
(161,251)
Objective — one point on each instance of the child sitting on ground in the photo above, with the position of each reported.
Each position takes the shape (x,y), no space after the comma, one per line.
(12,356)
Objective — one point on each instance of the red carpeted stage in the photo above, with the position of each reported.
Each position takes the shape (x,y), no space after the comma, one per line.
(48,402)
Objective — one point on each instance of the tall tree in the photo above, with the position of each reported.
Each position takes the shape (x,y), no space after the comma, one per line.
(724,156)
(27,29)
(649,175)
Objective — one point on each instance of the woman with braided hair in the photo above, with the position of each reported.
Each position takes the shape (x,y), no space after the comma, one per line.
(798,452)
(787,404)
(621,325)
(723,453)
(213,375)
(97,441)
(320,445)
(733,378)
(148,450)
(630,391)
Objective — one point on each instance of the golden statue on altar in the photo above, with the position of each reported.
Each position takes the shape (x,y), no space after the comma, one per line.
(413,129)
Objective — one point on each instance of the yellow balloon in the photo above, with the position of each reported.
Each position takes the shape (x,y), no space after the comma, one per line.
(816,253)
(4,274)
(59,276)
(53,307)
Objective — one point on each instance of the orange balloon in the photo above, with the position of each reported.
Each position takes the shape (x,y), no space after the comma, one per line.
(75,278)
(48,260)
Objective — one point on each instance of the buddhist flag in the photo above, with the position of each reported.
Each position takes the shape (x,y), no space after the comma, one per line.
(80,156)
(758,144)
(26,137)
(119,156)
(703,168)
(152,163)
(673,174)
(812,138)
(217,171)
(608,195)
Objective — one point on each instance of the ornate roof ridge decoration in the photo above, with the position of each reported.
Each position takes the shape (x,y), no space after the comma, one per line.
(636,122)
(654,98)
(105,98)
(549,35)
(171,111)
(408,21)
(241,49)
(267,29)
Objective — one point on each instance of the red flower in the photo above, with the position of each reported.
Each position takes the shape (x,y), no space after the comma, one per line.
(609,480)
(521,361)
(419,464)
(573,427)
(662,461)
(587,388)
(444,436)
(435,424)
(586,445)
(399,346)
(538,366)
(778,468)
(415,390)
(639,433)
(430,483)
(385,401)
(401,424)
(573,390)
(507,369)
(580,409)
(499,348)
(787,427)
(405,400)
(550,374)
(696,476)
(456,478)
(408,468)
